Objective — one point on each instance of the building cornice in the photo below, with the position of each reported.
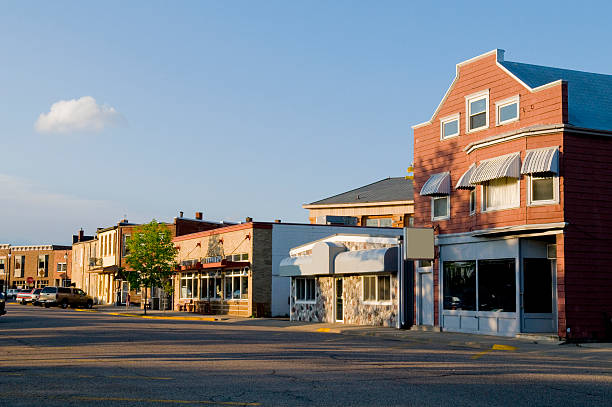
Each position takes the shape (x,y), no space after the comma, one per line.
(356,204)
(532,131)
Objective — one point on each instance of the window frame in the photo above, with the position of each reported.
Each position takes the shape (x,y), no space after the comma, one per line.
(506,102)
(483,198)
(448,119)
(376,300)
(469,99)
(554,201)
(445,217)
(306,299)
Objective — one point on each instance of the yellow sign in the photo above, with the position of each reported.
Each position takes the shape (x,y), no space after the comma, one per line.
(410,171)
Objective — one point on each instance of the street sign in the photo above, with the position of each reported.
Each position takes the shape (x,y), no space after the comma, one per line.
(30,280)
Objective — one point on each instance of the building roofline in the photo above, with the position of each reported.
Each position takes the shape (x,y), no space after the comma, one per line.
(358,204)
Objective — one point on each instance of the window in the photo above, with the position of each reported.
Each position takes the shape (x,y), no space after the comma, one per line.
(62,267)
(495,279)
(237,284)
(507,110)
(379,222)
(477,111)
(2,265)
(425,263)
(502,193)
(19,266)
(543,189)
(188,286)
(459,285)
(376,288)
(472,201)
(497,285)
(238,257)
(305,289)
(126,240)
(449,127)
(440,207)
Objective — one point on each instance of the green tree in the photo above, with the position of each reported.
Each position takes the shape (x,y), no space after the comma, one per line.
(151,257)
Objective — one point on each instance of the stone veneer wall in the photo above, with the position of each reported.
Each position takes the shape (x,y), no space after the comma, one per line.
(355,310)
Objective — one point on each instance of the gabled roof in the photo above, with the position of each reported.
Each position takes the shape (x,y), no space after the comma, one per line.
(589,94)
(386,190)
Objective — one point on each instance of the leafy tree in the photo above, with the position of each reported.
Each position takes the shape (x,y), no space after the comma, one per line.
(151,257)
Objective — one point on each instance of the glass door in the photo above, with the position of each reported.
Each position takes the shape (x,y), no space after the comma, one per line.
(538,296)
(339,301)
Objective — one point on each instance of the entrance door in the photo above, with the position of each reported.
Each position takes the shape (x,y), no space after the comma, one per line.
(125,290)
(538,296)
(426,306)
(339,301)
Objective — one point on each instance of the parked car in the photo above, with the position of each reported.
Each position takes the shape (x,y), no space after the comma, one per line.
(25,295)
(36,296)
(64,297)
(12,293)
(2,304)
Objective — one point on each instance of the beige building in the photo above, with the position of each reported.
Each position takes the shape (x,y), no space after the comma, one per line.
(385,203)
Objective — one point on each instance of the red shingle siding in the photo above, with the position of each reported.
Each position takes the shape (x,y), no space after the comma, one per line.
(588,239)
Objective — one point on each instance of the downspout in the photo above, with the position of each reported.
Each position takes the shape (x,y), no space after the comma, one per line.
(400,283)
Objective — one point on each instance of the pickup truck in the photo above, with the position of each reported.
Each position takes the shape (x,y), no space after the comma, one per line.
(64,297)
(25,295)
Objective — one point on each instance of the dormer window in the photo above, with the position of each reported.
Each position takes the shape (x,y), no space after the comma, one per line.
(477,111)
(507,110)
(449,126)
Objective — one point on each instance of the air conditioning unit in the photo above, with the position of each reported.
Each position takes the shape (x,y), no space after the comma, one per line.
(551,251)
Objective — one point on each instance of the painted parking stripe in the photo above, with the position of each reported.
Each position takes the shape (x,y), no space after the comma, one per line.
(494,347)
(167,401)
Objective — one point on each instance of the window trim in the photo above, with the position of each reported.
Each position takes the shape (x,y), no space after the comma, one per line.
(449,119)
(554,201)
(507,102)
(484,94)
(447,216)
(483,198)
(377,301)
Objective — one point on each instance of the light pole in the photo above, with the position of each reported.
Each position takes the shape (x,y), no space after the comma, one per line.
(8,273)
(66,270)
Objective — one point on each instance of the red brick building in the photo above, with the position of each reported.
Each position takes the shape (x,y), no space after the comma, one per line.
(513,172)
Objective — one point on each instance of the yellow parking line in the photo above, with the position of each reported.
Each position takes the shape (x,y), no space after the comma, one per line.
(494,347)
(323,330)
(167,401)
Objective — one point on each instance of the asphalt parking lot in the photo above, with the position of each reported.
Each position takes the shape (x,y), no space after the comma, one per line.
(55,357)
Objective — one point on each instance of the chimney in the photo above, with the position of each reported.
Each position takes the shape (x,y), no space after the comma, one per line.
(180,214)
(75,239)
(81,235)
(198,215)
(277,221)
(248,219)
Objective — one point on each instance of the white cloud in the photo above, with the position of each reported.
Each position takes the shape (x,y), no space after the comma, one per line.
(33,214)
(78,115)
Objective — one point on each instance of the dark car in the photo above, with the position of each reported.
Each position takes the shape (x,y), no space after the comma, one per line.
(64,297)
(2,304)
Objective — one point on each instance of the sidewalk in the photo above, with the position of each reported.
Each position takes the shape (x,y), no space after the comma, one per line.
(452,339)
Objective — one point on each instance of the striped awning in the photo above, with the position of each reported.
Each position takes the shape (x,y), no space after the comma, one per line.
(464,181)
(541,160)
(505,166)
(437,184)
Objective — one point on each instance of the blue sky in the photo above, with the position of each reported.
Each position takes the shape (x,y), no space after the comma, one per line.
(238,108)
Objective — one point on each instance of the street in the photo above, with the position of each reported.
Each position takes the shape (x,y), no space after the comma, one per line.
(55,357)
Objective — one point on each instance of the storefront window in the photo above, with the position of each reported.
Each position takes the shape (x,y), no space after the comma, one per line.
(497,285)
(460,285)
(305,289)
(236,284)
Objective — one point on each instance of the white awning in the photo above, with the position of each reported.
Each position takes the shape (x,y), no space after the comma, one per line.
(437,184)
(296,266)
(541,160)
(505,166)
(464,181)
(367,261)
